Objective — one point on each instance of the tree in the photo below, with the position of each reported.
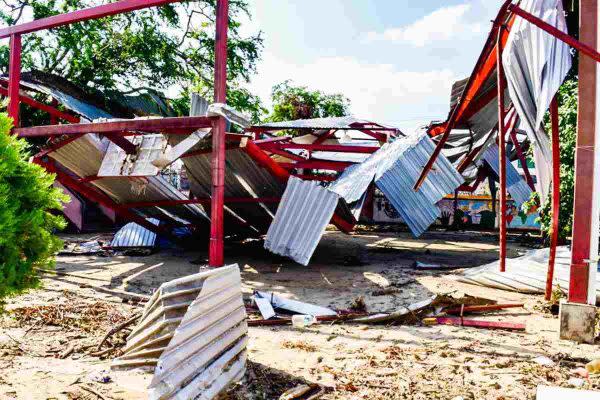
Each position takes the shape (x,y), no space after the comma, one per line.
(298,102)
(160,47)
(27,242)
(567,99)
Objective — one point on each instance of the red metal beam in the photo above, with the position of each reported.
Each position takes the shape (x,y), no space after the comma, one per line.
(522,158)
(122,142)
(14,76)
(501,87)
(122,127)
(318,164)
(53,111)
(216,247)
(172,203)
(325,136)
(585,153)
(483,70)
(105,10)
(555,196)
(582,47)
(284,153)
(339,148)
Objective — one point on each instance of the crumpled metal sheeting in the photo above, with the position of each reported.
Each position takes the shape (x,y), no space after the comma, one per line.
(216,293)
(303,214)
(515,184)
(317,123)
(418,208)
(536,64)
(208,348)
(134,235)
(84,156)
(243,178)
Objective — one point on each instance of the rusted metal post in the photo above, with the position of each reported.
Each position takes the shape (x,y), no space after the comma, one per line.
(555,196)
(585,207)
(215,253)
(501,149)
(14,78)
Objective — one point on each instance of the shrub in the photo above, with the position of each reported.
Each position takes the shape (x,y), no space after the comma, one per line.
(27,197)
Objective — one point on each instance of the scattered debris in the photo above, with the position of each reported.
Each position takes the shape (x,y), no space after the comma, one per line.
(300,345)
(295,305)
(483,308)
(544,361)
(593,367)
(303,392)
(134,235)
(358,305)
(85,248)
(302,321)
(264,306)
(514,326)
(433,267)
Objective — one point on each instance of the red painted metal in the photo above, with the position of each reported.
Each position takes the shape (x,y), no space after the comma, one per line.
(314,164)
(325,136)
(172,203)
(382,137)
(215,252)
(283,153)
(582,47)
(105,10)
(53,111)
(482,308)
(274,139)
(584,160)
(481,73)
(14,76)
(555,196)
(513,326)
(522,158)
(501,85)
(122,142)
(57,145)
(122,127)
(340,148)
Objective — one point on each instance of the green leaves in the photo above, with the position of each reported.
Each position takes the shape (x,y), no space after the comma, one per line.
(27,199)
(169,47)
(298,102)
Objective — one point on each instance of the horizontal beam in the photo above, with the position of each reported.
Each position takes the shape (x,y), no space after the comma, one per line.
(172,203)
(338,148)
(122,127)
(86,14)
(44,107)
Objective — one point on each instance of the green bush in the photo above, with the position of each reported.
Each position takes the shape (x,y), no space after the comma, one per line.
(27,198)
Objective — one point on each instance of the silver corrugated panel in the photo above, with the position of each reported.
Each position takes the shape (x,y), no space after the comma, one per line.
(536,64)
(84,157)
(317,123)
(134,235)
(303,214)
(418,208)
(515,184)
(243,179)
(525,274)
(183,317)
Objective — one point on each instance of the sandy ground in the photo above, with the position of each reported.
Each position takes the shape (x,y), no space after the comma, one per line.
(89,296)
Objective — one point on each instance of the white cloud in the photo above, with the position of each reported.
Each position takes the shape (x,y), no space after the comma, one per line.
(443,24)
(377,91)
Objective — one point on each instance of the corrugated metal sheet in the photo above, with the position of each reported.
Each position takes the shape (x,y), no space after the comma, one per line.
(525,274)
(303,214)
(317,123)
(395,168)
(515,184)
(186,327)
(134,235)
(118,163)
(84,157)
(536,64)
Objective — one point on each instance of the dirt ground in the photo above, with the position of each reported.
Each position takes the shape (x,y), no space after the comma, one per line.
(49,336)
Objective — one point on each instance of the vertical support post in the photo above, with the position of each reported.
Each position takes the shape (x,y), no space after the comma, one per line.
(555,196)
(586,208)
(501,149)
(14,78)
(215,252)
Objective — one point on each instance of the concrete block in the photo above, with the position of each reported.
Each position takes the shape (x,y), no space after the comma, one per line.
(577,322)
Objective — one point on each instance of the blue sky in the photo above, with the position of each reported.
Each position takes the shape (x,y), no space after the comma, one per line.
(395,59)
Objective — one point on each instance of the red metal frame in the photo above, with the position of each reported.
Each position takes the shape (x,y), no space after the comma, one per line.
(522,159)
(555,196)
(501,86)
(14,74)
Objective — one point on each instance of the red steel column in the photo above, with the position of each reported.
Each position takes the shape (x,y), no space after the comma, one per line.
(585,213)
(501,150)
(14,78)
(555,195)
(215,252)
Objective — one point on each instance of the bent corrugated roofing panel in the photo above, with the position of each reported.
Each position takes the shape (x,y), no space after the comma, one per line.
(515,184)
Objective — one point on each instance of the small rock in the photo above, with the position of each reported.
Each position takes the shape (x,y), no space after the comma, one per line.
(544,361)
(576,382)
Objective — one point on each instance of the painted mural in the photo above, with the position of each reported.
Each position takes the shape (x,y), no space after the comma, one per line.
(473,211)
